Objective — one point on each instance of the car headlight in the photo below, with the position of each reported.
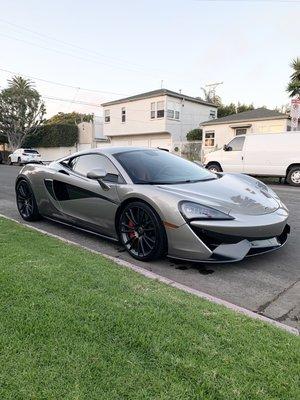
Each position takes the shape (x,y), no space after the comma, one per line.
(191,210)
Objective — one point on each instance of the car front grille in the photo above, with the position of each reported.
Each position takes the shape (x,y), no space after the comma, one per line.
(214,239)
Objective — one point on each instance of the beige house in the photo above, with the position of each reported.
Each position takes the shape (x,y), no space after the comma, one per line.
(160,118)
(261,120)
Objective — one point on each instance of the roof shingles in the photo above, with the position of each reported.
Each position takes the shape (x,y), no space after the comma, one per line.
(252,115)
(159,92)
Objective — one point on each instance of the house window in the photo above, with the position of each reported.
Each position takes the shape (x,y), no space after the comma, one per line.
(240,131)
(152,111)
(212,114)
(173,110)
(209,139)
(123,114)
(160,113)
(170,113)
(107,115)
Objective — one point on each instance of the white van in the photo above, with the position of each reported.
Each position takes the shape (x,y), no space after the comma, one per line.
(268,154)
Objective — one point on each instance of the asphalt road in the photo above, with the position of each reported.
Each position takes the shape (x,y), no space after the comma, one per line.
(268,284)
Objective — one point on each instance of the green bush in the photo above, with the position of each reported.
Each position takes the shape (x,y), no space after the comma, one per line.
(194,134)
(3,139)
(60,135)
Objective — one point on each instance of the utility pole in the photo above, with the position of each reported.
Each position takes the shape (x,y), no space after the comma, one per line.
(210,90)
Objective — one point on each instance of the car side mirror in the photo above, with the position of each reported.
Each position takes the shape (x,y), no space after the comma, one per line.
(227,148)
(99,175)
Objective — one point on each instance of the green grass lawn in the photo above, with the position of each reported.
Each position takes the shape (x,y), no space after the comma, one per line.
(74,325)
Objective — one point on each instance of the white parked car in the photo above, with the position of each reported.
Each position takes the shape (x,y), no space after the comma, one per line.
(24,156)
(269,154)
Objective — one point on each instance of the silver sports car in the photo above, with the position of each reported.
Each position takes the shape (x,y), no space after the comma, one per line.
(156,204)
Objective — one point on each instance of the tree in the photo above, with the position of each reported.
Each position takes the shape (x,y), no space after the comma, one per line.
(293,87)
(194,134)
(72,118)
(21,111)
(244,107)
(229,109)
(224,110)
(211,97)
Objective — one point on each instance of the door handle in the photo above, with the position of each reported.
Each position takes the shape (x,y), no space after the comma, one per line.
(63,172)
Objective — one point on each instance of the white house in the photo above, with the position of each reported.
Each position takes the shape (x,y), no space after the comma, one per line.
(159,118)
(261,120)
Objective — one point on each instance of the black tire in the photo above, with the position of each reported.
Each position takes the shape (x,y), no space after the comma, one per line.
(214,167)
(9,161)
(141,232)
(26,202)
(293,176)
(19,161)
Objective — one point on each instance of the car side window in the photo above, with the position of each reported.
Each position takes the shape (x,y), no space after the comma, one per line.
(87,162)
(236,144)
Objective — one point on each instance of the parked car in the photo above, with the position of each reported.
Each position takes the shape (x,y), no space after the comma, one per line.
(156,203)
(276,154)
(24,156)
(1,158)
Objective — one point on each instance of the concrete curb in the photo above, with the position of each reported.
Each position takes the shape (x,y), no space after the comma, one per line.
(167,281)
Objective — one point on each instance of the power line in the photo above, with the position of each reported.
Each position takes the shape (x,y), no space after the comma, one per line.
(67,43)
(61,84)
(71,101)
(73,55)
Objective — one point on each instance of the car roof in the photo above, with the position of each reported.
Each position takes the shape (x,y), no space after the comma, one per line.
(121,149)
(114,150)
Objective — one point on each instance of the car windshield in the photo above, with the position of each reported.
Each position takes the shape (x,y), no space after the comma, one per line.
(31,151)
(160,167)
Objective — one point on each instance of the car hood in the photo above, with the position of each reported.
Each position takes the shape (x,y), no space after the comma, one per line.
(229,193)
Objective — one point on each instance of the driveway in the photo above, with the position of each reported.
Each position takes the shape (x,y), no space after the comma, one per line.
(268,284)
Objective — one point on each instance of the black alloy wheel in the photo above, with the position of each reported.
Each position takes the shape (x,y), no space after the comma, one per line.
(26,202)
(142,232)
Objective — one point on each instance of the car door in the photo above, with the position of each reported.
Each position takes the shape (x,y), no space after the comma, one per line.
(82,200)
(232,157)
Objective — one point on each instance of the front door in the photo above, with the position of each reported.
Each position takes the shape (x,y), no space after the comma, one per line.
(232,158)
(83,201)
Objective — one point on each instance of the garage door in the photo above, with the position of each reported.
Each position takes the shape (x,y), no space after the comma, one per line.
(140,142)
(119,142)
(154,142)
(164,143)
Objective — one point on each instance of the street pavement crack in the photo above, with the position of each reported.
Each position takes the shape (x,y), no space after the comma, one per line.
(285,315)
(264,306)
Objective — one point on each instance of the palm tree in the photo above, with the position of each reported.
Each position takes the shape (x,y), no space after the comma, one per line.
(293,87)
(295,64)
(17,82)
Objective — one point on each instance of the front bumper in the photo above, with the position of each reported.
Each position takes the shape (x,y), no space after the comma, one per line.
(229,241)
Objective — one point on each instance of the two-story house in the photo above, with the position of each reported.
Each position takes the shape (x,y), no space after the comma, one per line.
(159,118)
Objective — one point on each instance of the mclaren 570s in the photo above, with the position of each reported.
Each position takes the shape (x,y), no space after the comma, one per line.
(156,204)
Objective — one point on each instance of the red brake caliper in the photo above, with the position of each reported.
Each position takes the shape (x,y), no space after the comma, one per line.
(131,234)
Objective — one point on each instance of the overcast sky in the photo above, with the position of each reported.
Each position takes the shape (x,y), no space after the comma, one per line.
(118,48)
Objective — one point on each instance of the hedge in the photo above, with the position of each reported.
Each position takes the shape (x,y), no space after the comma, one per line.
(60,135)
(194,134)
(3,139)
